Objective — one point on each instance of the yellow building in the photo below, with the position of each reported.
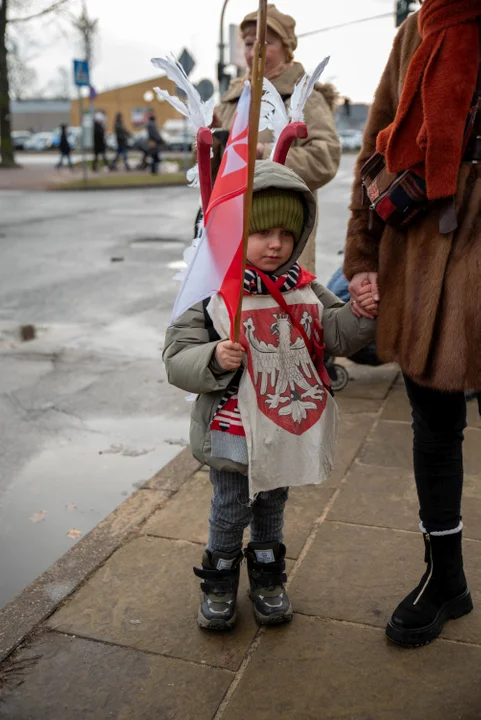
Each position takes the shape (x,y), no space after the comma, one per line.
(130,101)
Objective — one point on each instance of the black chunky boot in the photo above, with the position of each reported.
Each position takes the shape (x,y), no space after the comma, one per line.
(441,595)
(220,573)
(266,566)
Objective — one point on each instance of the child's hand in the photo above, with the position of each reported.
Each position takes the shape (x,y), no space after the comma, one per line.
(366,301)
(229,355)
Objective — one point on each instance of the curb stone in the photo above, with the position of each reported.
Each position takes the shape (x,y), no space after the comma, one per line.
(20,617)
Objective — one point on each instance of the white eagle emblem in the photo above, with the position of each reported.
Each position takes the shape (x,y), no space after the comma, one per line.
(286,370)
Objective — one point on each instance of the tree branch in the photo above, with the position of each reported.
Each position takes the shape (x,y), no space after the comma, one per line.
(42,13)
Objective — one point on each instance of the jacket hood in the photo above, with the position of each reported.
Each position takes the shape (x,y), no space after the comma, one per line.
(268,174)
(284,85)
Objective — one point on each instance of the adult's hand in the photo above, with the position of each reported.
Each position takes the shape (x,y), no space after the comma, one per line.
(359,285)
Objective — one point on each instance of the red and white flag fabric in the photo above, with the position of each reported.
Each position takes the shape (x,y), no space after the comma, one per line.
(216,266)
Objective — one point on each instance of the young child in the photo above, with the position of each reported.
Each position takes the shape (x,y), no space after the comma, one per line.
(264,419)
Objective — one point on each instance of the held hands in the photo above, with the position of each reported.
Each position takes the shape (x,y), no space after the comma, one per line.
(364,295)
(229,355)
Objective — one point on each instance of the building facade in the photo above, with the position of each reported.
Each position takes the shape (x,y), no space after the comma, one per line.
(39,115)
(135,102)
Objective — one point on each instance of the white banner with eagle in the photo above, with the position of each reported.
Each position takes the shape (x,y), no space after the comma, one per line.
(289,417)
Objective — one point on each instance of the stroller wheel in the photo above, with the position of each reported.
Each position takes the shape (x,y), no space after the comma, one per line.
(341,378)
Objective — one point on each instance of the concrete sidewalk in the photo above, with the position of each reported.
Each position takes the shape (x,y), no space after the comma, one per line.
(125,644)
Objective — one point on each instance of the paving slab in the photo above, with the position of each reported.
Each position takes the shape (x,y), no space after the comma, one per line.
(186,517)
(74,679)
(391,446)
(362,573)
(353,431)
(353,405)
(369,382)
(146,597)
(331,671)
(387,497)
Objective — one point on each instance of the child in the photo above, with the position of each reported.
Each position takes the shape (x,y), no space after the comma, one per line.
(264,419)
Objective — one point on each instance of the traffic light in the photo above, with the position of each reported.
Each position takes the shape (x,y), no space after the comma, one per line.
(403,9)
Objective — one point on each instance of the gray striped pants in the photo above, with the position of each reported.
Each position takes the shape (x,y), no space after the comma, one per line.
(231,513)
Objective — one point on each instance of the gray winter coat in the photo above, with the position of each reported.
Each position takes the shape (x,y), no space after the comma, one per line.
(189,355)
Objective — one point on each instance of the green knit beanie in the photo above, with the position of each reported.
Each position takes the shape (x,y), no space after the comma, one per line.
(276,208)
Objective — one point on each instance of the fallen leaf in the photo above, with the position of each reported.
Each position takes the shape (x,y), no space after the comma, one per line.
(74,533)
(38,516)
(70,506)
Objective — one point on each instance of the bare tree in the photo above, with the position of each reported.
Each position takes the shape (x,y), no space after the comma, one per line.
(22,76)
(87,28)
(25,14)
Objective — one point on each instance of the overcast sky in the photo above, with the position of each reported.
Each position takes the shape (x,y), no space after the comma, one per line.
(131,33)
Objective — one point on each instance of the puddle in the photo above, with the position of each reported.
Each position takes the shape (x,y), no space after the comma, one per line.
(72,484)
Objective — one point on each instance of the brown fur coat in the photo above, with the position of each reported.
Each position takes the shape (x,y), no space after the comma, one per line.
(430,284)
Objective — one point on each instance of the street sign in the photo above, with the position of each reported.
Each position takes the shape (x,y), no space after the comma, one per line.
(205,89)
(187,61)
(81,73)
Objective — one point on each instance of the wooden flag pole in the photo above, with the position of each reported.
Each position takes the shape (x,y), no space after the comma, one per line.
(258,65)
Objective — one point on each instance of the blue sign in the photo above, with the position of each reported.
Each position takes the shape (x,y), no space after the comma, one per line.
(81,73)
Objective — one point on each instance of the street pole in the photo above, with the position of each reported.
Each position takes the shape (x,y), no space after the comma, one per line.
(82,138)
(221,76)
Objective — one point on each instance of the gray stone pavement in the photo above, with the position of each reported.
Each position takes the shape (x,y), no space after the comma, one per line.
(126,645)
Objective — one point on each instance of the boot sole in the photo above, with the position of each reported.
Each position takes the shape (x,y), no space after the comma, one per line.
(273,619)
(456,608)
(216,623)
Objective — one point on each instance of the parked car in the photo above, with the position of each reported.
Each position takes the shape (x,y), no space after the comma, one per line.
(19,138)
(39,141)
(350,140)
(177,134)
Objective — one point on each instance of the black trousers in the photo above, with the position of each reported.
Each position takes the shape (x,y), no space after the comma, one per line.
(439,419)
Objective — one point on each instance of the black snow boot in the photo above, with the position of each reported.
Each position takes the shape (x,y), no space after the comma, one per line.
(441,595)
(266,566)
(220,574)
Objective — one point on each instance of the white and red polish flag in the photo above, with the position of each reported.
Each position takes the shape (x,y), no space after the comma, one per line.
(216,266)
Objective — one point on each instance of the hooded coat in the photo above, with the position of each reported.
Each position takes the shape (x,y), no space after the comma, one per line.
(189,355)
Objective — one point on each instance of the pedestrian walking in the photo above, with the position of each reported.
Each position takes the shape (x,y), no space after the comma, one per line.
(424,269)
(264,419)
(122,135)
(315,158)
(65,149)
(100,145)
(154,143)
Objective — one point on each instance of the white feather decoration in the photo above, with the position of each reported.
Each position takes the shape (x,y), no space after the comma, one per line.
(273,112)
(198,112)
(302,91)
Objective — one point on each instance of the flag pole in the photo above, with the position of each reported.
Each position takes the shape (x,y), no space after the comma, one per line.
(258,65)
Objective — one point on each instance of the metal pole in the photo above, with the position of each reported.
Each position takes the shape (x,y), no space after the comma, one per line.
(82,138)
(221,77)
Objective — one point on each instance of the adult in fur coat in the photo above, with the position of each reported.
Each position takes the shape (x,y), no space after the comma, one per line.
(315,159)
(429,293)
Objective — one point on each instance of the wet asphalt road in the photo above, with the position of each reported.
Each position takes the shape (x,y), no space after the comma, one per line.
(86,414)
